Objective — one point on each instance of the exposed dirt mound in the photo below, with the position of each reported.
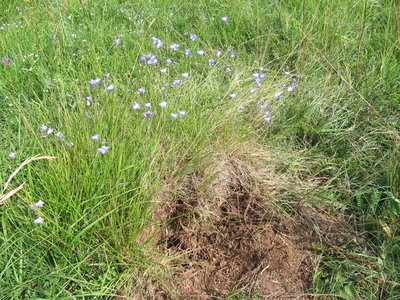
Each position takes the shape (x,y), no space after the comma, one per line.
(231,238)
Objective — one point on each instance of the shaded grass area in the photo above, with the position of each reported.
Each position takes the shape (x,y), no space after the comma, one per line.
(344,115)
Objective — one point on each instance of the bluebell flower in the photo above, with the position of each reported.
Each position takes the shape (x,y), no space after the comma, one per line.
(136,106)
(176,82)
(70,96)
(147,114)
(142,59)
(69,144)
(182,113)
(227,70)
(174,46)
(225,19)
(286,73)
(193,36)
(233,55)
(267,119)
(6,60)
(43,128)
(185,75)
(211,61)
(59,134)
(267,112)
(278,95)
(200,52)
(163,104)
(39,203)
(174,116)
(163,71)
(53,37)
(48,83)
(148,105)
(157,42)
(38,221)
(95,137)
(252,90)
(11,155)
(50,130)
(110,87)
(152,60)
(187,52)
(168,61)
(240,107)
(103,149)
(233,96)
(93,82)
(117,42)
(141,90)
(218,53)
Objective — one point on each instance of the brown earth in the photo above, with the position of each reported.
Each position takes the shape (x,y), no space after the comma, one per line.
(230,234)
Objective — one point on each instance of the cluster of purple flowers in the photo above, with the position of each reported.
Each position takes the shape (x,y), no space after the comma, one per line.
(34,207)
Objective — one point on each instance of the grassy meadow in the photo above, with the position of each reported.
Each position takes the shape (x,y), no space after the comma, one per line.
(144,113)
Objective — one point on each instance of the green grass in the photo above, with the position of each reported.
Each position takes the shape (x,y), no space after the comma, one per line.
(344,114)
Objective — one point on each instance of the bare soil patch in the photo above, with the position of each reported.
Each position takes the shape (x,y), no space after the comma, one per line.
(229,236)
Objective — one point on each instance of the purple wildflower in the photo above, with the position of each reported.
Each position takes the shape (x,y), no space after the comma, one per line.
(12,155)
(174,116)
(182,113)
(278,95)
(152,60)
(267,119)
(193,36)
(141,90)
(38,221)
(6,60)
(157,42)
(163,104)
(187,52)
(147,114)
(53,37)
(69,144)
(218,53)
(110,87)
(163,71)
(117,42)
(252,90)
(200,52)
(136,105)
(93,82)
(240,107)
(233,96)
(185,75)
(142,59)
(48,83)
(69,95)
(39,203)
(174,46)
(227,70)
(225,19)
(211,61)
(148,105)
(43,128)
(103,149)
(96,137)
(176,82)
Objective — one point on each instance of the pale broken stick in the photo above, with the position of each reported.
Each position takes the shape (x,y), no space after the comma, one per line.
(3,196)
